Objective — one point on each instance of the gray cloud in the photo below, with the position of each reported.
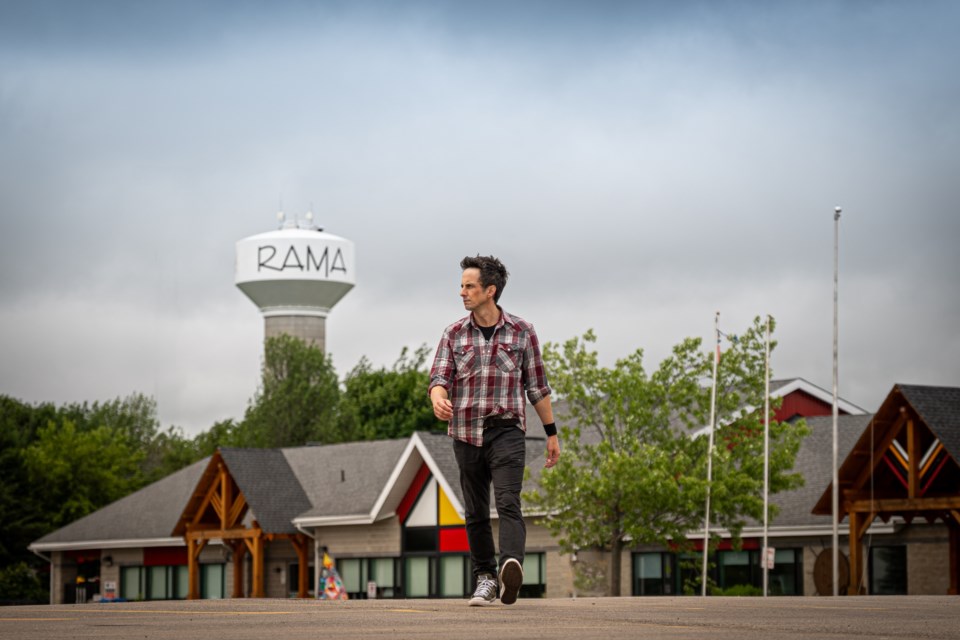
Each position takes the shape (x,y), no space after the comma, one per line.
(637,168)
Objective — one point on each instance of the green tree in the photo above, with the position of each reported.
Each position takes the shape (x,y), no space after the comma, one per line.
(297,400)
(387,403)
(225,433)
(632,471)
(19,584)
(19,498)
(80,471)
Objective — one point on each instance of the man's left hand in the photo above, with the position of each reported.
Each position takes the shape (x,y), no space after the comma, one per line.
(553,451)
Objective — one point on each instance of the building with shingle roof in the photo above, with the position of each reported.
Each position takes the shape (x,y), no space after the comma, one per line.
(256,522)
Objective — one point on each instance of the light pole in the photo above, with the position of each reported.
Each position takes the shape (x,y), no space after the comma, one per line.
(713,420)
(836,476)
(766,461)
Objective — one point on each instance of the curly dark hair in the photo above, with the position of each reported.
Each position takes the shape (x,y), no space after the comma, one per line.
(492,272)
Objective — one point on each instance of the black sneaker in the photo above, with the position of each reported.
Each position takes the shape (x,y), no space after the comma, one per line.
(486,591)
(511,579)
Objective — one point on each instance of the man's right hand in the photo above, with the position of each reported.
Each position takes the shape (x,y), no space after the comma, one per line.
(442,407)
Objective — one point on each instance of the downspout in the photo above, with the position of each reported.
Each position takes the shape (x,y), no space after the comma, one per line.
(50,562)
(317,562)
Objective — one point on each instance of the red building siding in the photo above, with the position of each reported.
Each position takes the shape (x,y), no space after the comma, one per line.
(163,556)
(804,405)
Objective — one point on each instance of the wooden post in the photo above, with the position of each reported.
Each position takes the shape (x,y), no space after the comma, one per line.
(256,550)
(194,547)
(239,551)
(954,529)
(303,569)
(193,589)
(855,559)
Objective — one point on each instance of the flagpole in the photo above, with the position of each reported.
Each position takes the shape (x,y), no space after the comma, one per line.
(713,406)
(835,510)
(766,460)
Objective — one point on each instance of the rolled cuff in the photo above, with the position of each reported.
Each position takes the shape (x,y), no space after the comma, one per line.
(537,394)
(438,382)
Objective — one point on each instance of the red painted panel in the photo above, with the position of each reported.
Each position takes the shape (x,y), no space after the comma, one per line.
(800,403)
(454,539)
(726,545)
(411,496)
(82,557)
(164,556)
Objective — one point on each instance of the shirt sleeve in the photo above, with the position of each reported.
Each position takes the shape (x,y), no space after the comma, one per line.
(534,373)
(442,371)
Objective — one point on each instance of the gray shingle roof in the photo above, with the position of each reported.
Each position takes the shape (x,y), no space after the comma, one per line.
(151,512)
(940,409)
(815,462)
(269,485)
(343,479)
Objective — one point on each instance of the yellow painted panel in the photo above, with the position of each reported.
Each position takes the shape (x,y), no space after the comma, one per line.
(448,515)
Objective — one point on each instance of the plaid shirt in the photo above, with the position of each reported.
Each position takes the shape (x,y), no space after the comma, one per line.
(487,379)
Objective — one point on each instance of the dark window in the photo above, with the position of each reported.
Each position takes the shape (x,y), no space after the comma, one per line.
(737,568)
(420,539)
(888,571)
(357,574)
(653,574)
(293,571)
(534,576)
(785,579)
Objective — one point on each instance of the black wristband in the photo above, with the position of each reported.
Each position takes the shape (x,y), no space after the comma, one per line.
(550,429)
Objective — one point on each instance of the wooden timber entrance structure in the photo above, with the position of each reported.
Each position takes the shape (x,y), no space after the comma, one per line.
(904,464)
(219,509)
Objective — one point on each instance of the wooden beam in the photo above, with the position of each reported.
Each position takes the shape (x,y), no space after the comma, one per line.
(222,534)
(906,505)
(226,502)
(913,455)
(211,492)
(881,447)
(865,524)
(236,510)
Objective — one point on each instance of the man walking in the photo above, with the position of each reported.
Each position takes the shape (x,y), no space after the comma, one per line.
(485,364)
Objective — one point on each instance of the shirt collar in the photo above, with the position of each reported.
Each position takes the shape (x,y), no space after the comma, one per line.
(505,318)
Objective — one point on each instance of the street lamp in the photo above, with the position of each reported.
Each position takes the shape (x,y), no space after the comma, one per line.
(836,476)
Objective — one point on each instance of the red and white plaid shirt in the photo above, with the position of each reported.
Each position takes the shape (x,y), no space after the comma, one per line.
(487,379)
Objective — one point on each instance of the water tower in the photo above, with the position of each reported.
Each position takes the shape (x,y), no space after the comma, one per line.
(295,275)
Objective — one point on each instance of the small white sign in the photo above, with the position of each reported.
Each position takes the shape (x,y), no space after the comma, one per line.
(372,590)
(770,555)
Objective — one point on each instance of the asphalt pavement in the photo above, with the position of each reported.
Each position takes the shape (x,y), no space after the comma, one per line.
(713,618)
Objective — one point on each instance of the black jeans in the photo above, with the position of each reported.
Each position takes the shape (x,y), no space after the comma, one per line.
(500,460)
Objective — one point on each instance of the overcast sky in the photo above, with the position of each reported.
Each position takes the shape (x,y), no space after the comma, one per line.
(637,166)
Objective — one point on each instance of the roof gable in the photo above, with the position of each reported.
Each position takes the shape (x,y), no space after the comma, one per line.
(906,452)
(389,483)
(939,407)
(236,481)
(801,388)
